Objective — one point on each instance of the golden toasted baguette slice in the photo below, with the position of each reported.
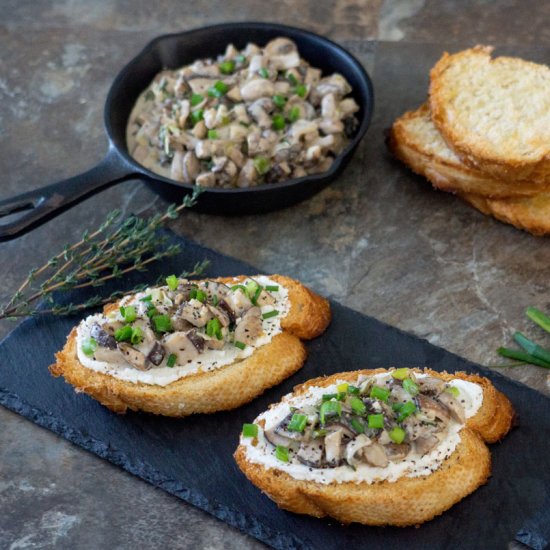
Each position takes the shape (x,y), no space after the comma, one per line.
(410,482)
(531,214)
(200,390)
(415,140)
(494,113)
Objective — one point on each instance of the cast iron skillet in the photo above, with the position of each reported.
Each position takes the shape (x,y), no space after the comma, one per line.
(173,51)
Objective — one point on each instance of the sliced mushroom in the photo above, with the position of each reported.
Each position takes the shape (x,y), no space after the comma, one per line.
(396,452)
(355,448)
(429,384)
(249,328)
(206,179)
(182,346)
(102,337)
(134,357)
(201,85)
(433,409)
(333,447)
(195,312)
(212,342)
(220,314)
(238,301)
(156,355)
(225,307)
(276,438)
(454,406)
(256,88)
(266,299)
(423,445)
(311,454)
(375,455)
(108,355)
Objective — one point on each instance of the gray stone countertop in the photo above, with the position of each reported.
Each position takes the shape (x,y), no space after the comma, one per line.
(379,239)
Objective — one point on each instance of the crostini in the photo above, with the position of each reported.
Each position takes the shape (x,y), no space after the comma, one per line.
(193,346)
(378,447)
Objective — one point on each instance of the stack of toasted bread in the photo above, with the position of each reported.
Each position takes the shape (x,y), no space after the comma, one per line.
(484,135)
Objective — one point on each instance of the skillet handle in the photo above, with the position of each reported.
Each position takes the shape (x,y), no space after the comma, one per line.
(43,204)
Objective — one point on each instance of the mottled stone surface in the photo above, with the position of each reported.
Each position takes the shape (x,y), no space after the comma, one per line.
(379,239)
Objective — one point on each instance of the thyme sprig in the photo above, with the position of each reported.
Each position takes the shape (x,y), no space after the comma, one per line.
(117,248)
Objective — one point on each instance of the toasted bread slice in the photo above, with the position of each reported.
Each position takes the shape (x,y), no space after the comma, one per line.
(415,140)
(494,113)
(406,500)
(220,389)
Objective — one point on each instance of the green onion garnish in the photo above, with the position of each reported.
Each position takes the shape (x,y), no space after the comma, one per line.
(238,287)
(270,314)
(197,116)
(172,282)
(263,72)
(281,452)
(123,334)
(240,58)
(227,67)
(318,433)
(89,346)
(151,311)
(400,374)
(354,390)
(212,134)
(329,396)
(218,90)
(406,410)
(214,328)
(253,289)
(453,390)
(262,165)
(330,408)
(162,323)
(147,298)
(279,101)
(342,388)
(537,316)
(297,423)
(397,435)
(137,336)
(357,425)
(278,122)
(294,114)
(129,313)
(357,406)
(250,430)
(301,90)
(410,387)
(197,294)
(171,361)
(379,393)
(532,348)
(522,356)
(239,345)
(196,99)
(272,288)
(292,79)
(215,299)
(375,420)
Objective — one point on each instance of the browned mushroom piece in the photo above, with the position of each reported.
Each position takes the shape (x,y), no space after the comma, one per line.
(375,455)
(195,312)
(184,345)
(134,357)
(433,409)
(424,445)
(396,452)
(454,406)
(333,447)
(249,328)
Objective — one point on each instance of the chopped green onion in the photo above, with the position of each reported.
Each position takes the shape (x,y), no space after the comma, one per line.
(263,72)
(152,311)
(400,374)
(397,435)
(253,290)
(406,410)
(329,396)
(279,101)
(238,287)
(196,99)
(453,390)
(147,298)
(172,282)
(532,348)
(137,336)
(379,393)
(375,421)
(197,115)
(123,334)
(270,314)
(278,122)
(212,134)
(354,390)
(342,387)
(318,433)
(250,430)
(240,58)
(218,90)
(341,396)
(410,387)
(215,300)
(522,356)
(357,425)
(149,95)
(537,316)
(162,323)
(292,79)
(239,345)
(262,165)
(357,406)
(171,361)
(129,313)
(227,67)
(214,328)
(197,294)
(272,288)
(297,423)
(89,346)
(294,114)
(301,90)
(330,408)
(281,452)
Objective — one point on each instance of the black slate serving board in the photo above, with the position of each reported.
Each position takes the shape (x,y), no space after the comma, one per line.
(192,457)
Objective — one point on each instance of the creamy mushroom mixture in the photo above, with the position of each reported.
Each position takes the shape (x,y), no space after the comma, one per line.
(382,427)
(164,333)
(260,115)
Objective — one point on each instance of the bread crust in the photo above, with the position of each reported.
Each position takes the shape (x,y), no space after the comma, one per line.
(206,392)
(510,157)
(406,501)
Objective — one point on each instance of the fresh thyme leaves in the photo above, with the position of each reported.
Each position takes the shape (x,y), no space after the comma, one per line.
(531,352)
(116,248)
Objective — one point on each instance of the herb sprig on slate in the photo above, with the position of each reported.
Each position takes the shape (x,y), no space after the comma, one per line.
(531,352)
(117,248)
